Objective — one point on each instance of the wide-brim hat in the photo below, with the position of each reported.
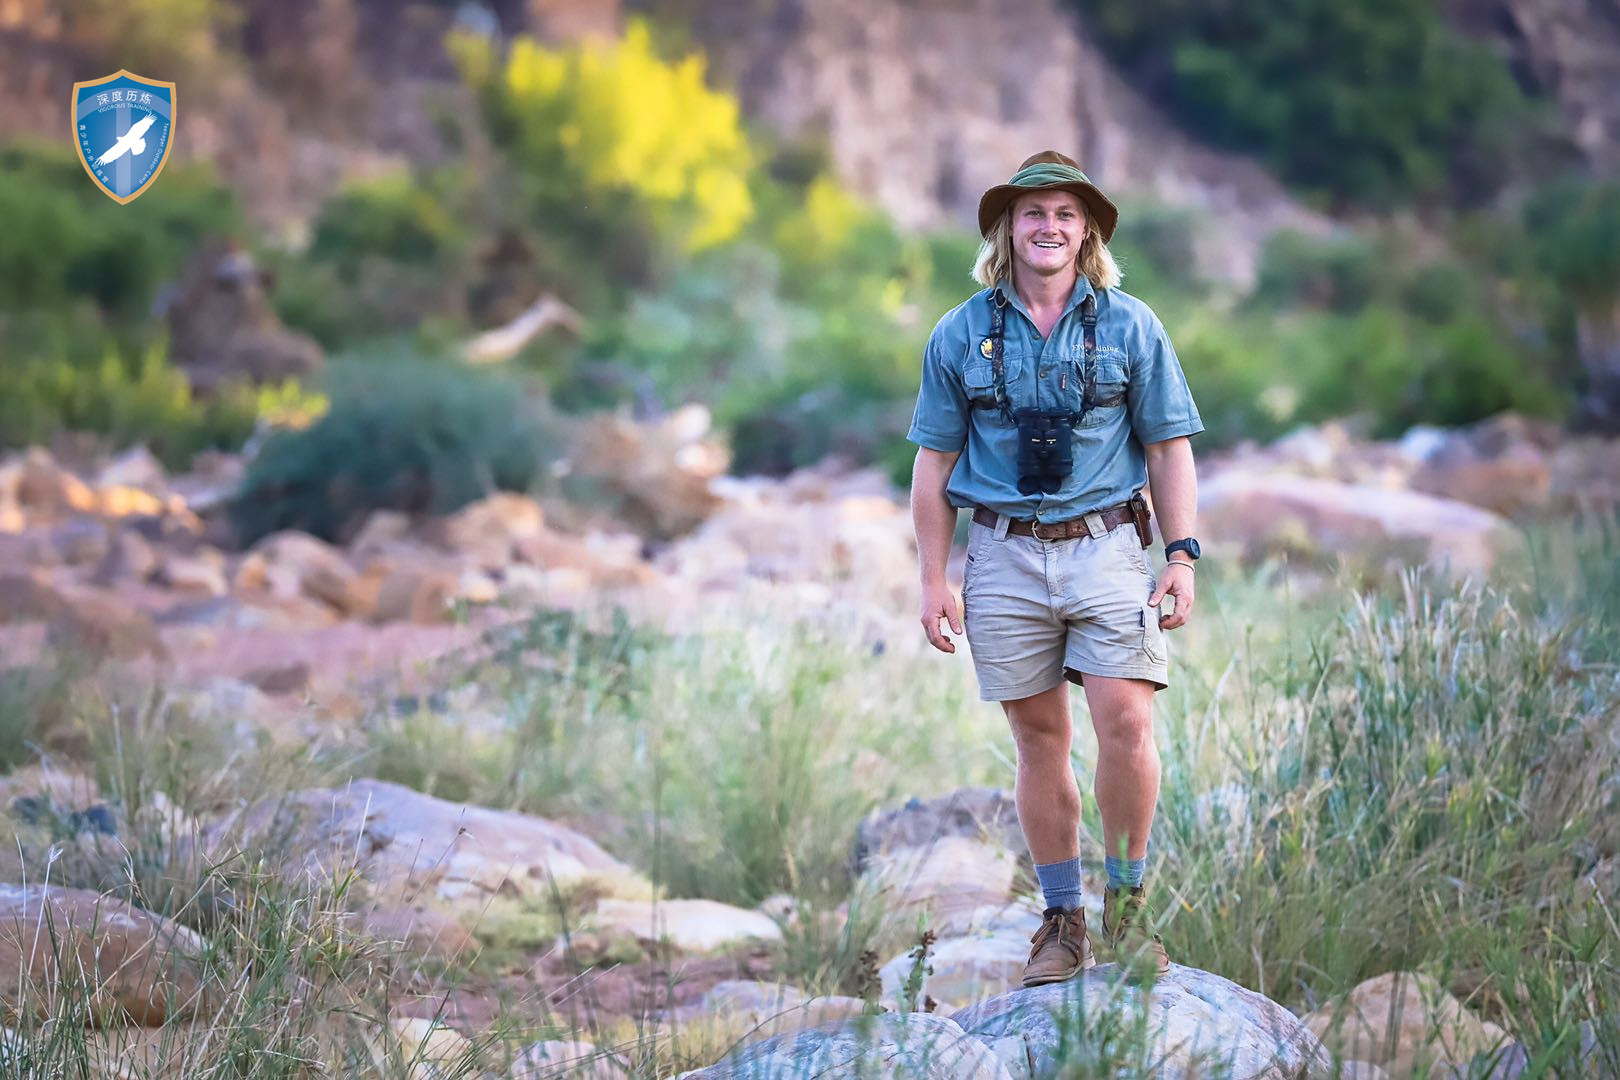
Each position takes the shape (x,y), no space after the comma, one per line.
(1049,170)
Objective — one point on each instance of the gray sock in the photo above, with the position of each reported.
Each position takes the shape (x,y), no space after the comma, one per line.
(1060,882)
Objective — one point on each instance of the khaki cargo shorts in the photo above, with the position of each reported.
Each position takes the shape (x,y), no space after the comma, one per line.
(1037,611)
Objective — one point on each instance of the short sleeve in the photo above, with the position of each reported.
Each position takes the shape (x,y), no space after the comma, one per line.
(1161,405)
(940,421)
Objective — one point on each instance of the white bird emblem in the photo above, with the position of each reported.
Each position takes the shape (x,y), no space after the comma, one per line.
(129,142)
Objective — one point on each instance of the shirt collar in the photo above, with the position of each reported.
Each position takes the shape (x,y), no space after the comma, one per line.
(1007,294)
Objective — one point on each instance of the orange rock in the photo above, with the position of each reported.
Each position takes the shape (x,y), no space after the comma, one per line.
(102,626)
(129,965)
(320,569)
(129,558)
(202,573)
(488,529)
(416,594)
(46,487)
(120,501)
(27,598)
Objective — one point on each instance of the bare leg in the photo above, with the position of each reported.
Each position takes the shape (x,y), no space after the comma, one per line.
(1047,796)
(1127,787)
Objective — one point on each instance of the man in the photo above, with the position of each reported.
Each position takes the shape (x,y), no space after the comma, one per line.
(1047,437)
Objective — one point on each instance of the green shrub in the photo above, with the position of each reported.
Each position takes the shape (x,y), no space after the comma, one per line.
(1156,247)
(404,435)
(139,400)
(1573,232)
(1364,325)
(383,254)
(719,330)
(1367,102)
(67,242)
(1241,389)
(1339,273)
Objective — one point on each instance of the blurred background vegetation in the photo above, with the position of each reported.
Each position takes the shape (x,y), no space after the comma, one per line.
(714,261)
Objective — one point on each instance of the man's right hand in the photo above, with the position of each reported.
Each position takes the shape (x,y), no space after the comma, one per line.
(938,602)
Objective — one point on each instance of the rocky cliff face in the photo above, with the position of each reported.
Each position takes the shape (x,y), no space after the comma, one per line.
(923,103)
(1568,49)
(926,103)
(297,98)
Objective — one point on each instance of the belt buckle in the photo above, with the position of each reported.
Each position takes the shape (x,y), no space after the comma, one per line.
(1035,531)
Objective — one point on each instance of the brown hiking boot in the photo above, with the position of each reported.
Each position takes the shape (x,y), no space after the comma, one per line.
(1062,948)
(1128,926)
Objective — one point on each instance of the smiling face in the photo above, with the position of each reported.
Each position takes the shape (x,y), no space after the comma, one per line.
(1047,228)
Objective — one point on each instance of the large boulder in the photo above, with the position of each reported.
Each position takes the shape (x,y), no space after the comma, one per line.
(1261,513)
(413,844)
(125,965)
(953,880)
(1403,1021)
(1192,1024)
(977,813)
(911,1045)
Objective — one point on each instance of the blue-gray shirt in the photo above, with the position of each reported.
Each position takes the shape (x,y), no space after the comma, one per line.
(956,409)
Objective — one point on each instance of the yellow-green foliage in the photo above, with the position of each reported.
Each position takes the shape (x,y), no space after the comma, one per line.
(141,399)
(625,119)
(825,224)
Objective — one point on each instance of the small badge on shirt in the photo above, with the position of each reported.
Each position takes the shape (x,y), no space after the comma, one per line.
(986,349)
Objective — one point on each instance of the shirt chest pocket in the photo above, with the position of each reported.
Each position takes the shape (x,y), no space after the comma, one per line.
(1108,400)
(979,385)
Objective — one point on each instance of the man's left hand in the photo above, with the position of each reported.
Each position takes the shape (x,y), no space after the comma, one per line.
(1179,584)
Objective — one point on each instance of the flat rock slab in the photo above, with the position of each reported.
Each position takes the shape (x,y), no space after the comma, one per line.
(457,853)
(694,926)
(1192,1024)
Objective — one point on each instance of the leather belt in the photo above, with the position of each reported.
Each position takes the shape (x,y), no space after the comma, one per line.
(1112,518)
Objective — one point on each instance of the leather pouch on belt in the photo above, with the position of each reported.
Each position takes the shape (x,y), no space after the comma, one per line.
(1142,516)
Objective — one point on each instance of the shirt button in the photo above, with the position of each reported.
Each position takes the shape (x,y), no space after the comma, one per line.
(1045,372)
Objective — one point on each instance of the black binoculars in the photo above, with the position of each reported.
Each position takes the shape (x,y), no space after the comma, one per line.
(1045,449)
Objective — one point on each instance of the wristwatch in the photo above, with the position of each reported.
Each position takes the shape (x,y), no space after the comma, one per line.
(1189,545)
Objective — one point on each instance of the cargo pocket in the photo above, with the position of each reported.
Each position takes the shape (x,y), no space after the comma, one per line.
(979,384)
(975,558)
(1153,635)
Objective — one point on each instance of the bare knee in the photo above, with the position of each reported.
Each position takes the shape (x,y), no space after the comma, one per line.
(1127,730)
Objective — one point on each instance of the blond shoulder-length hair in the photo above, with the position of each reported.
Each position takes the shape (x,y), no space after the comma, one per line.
(995,259)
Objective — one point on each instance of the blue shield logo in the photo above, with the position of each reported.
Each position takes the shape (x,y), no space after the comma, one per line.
(122,126)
